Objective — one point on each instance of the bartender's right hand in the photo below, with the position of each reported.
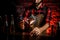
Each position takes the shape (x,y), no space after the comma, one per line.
(35,31)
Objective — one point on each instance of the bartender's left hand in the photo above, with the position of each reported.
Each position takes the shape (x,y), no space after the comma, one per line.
(35,31)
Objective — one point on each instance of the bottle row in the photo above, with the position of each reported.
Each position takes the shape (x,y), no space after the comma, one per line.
(7,24)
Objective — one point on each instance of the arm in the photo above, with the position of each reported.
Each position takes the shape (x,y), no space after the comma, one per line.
(44,27)
(37,31)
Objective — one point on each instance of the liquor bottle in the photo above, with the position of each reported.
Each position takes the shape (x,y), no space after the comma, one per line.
(12,27)
(0,24)
(5,28)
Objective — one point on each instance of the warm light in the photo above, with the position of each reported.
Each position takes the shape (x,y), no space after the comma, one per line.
(48,31)
(32,21)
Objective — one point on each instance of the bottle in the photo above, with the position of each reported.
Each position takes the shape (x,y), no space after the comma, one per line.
(12,27)
(0,24)
(5,28)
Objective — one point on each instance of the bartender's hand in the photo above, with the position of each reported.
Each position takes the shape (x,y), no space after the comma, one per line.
(35,31)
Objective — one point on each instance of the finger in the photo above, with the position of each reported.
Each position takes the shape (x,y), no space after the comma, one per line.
(31,33)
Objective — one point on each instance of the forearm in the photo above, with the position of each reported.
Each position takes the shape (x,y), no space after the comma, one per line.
(44,27)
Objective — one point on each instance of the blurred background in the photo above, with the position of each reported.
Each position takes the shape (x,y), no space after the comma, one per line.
(9,19)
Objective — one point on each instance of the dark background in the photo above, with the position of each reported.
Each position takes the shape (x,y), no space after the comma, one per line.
(9,7)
